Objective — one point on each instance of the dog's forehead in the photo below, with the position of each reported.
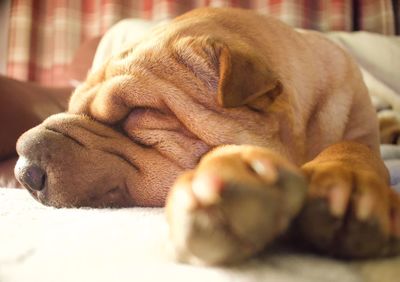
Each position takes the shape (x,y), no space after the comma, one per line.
(148,46)
(155,42)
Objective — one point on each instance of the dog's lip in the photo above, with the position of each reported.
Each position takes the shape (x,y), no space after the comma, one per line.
(123,190)
(114,192)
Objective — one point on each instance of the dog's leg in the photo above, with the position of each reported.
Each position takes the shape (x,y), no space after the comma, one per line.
(350,210)
(237,200)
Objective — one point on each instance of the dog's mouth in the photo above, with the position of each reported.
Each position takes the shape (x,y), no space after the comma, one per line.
(115,197)
(112,198)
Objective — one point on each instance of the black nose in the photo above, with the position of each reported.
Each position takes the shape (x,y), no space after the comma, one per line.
(32,177)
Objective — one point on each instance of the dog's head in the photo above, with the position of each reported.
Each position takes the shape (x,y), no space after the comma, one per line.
(150,113)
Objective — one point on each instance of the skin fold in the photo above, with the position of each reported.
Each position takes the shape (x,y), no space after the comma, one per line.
(263,125)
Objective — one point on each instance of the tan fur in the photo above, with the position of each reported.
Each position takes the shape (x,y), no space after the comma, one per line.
(210,78)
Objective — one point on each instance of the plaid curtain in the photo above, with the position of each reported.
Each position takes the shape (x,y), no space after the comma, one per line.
(44,34)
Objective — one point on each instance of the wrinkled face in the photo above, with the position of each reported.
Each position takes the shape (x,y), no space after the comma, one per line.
(132,127)
(71,160)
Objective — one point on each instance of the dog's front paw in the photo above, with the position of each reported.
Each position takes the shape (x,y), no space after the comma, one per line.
(350,212)
(233,204)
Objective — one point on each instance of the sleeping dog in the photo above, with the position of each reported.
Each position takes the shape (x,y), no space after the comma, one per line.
(240,125)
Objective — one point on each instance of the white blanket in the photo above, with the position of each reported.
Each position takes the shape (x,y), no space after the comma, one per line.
(44,244)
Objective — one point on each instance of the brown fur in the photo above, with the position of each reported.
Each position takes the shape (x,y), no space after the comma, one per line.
(216,77)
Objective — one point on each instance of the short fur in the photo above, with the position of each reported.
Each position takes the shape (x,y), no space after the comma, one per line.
(281,98)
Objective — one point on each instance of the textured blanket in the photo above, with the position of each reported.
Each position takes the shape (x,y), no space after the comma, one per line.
(44,244)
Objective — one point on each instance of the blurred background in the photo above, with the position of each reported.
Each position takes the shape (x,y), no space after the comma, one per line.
(39,39)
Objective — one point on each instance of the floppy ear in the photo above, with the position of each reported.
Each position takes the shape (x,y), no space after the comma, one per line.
(244,76)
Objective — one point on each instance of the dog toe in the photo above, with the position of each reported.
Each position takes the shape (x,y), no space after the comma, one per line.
(349,213)
(232,206)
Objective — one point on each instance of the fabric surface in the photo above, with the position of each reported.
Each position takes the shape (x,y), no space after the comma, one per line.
(44,244)
(379,58)
(44,34)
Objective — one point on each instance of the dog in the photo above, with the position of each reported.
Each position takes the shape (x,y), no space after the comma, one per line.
(240,124)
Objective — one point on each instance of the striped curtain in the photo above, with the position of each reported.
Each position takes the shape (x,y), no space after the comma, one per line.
(45,34)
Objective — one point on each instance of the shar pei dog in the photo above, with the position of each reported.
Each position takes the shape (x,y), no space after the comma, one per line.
(242,126)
